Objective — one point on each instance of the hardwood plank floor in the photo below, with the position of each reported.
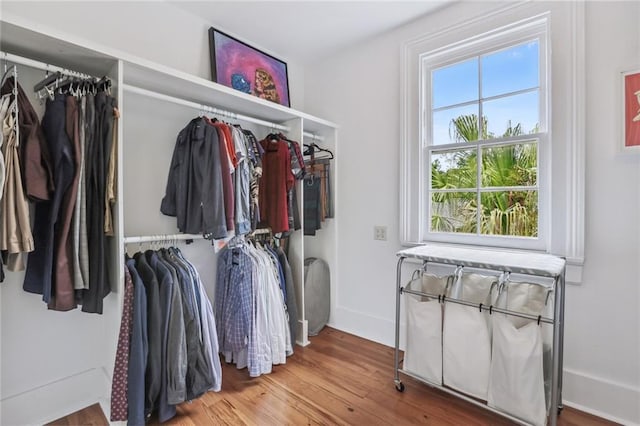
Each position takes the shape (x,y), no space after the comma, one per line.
(339,379)
(90,416)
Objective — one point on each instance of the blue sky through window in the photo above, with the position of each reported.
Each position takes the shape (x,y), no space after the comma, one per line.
(503,72)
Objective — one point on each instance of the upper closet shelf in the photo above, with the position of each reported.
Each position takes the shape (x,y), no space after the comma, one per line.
(92,59)
(159,78)
(49,49)
(544,265)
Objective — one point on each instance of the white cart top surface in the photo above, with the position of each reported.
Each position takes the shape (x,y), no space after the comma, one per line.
(540,264)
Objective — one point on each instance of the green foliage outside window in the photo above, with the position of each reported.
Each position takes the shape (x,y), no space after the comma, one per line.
(503,211)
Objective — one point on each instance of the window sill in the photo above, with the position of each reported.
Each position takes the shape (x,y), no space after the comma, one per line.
(574,266)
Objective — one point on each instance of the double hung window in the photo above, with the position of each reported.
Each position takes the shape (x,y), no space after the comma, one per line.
(484,139)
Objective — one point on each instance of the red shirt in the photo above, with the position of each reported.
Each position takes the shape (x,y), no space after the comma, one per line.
(275,183)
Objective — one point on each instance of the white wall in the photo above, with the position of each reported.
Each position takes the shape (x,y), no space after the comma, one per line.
(360,90)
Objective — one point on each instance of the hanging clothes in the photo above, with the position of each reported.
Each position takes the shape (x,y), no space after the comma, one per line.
(312,205)
(277,180)
(228,165)
(35,160)
(15,229)
(255,156)
(4,107)
(213,181)
(154,332)
(170,320)
(64,287)
(98,150)
(120,382)
(250,309)
(66,164)
(80,245)
(242,183)
(110,192)
(41,267)
(175,347)
(139,350)
(318,204)
(194,192)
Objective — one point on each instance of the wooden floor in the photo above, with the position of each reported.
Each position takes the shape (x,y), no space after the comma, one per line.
(338,379)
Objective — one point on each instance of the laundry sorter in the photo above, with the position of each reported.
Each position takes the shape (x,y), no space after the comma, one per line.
(490,332)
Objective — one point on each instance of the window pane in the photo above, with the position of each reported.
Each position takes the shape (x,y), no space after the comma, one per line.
(510,165)
(512,115)
(509,70)
(454,169)
(455,84)
(510,213)
(463,129)
(453,212)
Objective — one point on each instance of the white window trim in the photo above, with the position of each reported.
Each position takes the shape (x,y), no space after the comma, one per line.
(566,43)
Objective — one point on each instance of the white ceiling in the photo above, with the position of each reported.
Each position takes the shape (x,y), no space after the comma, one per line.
(307,31)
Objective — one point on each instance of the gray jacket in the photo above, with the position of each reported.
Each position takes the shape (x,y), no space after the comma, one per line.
(194,193)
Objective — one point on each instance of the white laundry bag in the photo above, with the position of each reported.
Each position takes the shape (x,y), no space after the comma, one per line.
(466,337)
(516,382)
(423,352)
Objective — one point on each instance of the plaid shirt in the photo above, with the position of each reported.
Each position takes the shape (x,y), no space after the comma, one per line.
(233,299)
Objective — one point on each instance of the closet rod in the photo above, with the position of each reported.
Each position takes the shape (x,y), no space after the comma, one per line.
(313,136)
(489,308)
(206,108)
(9,57)
(152,238)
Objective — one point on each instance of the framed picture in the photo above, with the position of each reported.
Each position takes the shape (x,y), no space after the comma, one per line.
(236,64)
(631,110)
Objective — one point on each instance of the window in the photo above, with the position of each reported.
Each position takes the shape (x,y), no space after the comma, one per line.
(472,46)
(476,152)
(483,129)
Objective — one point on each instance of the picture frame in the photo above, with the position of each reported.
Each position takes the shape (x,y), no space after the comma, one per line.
(240,66)
(630,82)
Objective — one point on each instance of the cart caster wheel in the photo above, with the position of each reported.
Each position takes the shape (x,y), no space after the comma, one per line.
(400,387)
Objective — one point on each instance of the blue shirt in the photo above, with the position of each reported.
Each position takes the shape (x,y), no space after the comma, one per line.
(233,301)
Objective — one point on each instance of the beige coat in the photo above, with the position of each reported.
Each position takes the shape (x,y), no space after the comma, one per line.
(15,227)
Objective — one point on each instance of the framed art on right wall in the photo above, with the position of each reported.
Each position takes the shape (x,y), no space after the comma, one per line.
(631,111)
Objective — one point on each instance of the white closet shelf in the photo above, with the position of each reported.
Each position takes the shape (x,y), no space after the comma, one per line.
(47,47)
(43,47)
(159,78)
(540,264)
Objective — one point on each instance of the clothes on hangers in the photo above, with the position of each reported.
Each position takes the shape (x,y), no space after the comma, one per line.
(4,107)
(66,162)
(15,233)
(16,238)
(80,250)
(35,160)
(276,182)
(120,381)
(98,153)
(212,187)
(174,348)
(251,313)
(318,204)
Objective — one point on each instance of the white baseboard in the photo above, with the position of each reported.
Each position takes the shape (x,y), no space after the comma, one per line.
(595,395)
(370,327)
(601,397)
(54,400)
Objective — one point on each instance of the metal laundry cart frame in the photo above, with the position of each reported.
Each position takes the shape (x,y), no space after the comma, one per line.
(534,264)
